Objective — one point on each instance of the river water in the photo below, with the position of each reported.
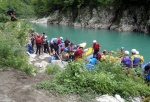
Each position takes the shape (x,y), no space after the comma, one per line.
(109,40)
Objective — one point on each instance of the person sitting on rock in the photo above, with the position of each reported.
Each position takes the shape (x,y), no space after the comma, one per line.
(66,42)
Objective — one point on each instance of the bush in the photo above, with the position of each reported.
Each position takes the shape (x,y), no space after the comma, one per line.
(4,18)
(52,69)
(12,51)
(107,78)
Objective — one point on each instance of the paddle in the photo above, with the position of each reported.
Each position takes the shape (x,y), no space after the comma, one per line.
(59,59)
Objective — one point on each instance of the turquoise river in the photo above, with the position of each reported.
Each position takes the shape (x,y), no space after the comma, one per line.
(109,40)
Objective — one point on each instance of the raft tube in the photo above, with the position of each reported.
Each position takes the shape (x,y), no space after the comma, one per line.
(82,45)
(89,52)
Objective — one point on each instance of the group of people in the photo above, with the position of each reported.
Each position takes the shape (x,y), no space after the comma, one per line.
(68,50)
(122,56)
(56,46)
(59,48)
(41,42)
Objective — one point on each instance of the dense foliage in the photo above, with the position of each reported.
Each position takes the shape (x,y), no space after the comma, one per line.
(22,8)
(107,78)
(12,49)
(45,7)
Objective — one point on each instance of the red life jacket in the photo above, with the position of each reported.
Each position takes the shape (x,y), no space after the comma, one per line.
(99,56)
(39,40)
(96,46)
(79,53)
(59,41)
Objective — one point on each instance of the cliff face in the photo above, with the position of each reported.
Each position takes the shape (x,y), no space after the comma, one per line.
(132,19)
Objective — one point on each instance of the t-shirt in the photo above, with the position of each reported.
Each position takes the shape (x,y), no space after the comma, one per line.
(67,43)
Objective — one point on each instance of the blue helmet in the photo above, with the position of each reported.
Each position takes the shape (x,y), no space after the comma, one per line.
(75,46)
(66,50)
(122,48)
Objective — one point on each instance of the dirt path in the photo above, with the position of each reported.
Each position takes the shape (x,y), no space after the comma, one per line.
(16,86)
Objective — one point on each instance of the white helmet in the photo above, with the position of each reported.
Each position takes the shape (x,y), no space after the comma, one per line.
(126,52)
(61,38)
(133,50)
(94,41)
(137,52)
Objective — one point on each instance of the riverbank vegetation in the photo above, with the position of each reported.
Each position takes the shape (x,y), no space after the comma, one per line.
(12,46)
(107,78)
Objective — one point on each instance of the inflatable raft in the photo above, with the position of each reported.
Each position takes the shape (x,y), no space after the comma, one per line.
(82,45)
(89,51)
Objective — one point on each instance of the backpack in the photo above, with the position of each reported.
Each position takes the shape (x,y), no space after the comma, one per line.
(127,62)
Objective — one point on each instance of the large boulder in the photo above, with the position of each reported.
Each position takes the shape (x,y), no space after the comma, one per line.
(107,98)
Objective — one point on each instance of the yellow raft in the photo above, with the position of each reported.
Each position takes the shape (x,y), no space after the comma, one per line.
(82,45)
(89,52)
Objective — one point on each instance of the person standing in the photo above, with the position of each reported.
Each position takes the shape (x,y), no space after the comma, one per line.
(137,60)
(42,46)
(141,58)
(32,40)
(66,42)
(45,44)
(59,42)
(96,48)
(126,60)
(56,47)
(38,44)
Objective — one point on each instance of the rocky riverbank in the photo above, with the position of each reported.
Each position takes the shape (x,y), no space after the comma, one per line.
(101,19)
(16,86)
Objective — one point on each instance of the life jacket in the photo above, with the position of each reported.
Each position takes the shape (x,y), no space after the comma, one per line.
(127,62)
(136,61)
(62,48)
(59,41)
(99,56)
(38,40)
(44,41)
(96,46)
(79,53)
